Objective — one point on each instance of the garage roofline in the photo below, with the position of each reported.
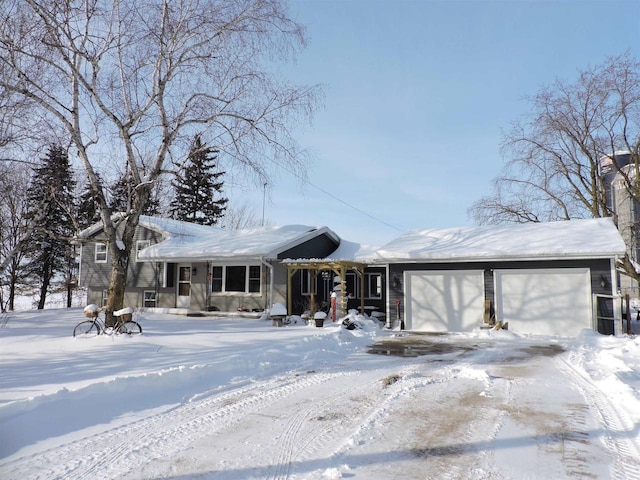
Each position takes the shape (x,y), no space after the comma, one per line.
(510,258)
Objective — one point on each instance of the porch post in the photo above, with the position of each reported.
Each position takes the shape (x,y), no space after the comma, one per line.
(312,288)
(290,273)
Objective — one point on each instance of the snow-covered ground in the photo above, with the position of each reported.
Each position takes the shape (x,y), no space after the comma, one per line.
(234,398)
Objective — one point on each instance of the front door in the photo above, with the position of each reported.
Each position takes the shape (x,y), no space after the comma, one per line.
(184,286)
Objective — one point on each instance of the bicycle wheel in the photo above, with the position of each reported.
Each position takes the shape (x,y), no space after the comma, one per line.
(88,328)
(130,328)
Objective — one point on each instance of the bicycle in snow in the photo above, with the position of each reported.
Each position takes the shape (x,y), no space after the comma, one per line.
(124,324)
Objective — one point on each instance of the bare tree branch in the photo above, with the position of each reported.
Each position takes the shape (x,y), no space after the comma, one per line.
(134,80)
(553,159)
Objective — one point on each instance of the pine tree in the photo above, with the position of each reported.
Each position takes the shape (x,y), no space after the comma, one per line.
(196,185)
(121,196)
(50,196)
(88,212)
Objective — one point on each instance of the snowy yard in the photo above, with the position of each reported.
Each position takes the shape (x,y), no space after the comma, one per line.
(222,398)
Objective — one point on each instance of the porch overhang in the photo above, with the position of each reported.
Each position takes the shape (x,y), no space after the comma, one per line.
(315,266)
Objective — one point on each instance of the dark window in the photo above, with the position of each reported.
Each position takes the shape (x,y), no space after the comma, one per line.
(352,285)
(374,285)
(236,279)
(170,280)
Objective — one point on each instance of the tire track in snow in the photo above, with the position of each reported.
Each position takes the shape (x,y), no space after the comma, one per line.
(156,436)
(480,420)
(424,386)
(308,429)
(621,436)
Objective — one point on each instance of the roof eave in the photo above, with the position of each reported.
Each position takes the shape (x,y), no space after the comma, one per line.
(218,260)
(511,258)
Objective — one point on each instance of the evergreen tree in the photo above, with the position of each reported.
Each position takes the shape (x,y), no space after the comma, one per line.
(50,196)
(196,185)
(88,212)
(122,195)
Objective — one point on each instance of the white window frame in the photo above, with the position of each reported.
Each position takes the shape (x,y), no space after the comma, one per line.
(247,279)
(105,252)
(105,295)
(145,299)
(141,245)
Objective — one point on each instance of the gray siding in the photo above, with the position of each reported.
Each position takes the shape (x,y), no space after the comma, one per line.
(141,276)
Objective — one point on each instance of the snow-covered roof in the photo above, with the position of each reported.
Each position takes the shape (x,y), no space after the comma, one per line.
(191,242)
(352,251)
(169,227)
(166,226)
(590,238)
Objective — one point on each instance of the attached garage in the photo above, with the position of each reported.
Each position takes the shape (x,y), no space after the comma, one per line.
(544,301)
(444,301)
(539,278)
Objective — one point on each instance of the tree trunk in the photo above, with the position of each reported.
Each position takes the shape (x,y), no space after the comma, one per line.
(44,288)
(117,283)
(69,293)
(12,291)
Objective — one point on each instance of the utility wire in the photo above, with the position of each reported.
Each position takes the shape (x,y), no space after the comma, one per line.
(322,190)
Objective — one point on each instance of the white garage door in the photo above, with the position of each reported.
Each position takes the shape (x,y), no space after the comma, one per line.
(439,301)
(545,302)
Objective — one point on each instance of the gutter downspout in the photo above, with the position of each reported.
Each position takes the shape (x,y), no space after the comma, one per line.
(270,296)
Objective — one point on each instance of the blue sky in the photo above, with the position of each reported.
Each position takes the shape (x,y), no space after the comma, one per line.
(417,94)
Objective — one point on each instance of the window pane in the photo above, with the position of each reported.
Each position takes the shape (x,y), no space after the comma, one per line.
(149,298)
(236,279)
(185,274)
(304,282)
(170,280)
(254,279)
(101,252)
(216,279)
(352,290)
(374,285)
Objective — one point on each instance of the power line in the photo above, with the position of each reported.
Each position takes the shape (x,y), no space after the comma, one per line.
(322,190)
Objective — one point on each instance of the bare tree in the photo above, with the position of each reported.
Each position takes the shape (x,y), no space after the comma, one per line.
(14,181)
(553,157)
(131,81)
(241,216)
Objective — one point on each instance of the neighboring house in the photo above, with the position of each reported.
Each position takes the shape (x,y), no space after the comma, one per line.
(538,277)
(183,265)
(626,210)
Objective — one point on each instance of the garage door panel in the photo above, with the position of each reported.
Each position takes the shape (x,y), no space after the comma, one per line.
(445,301)
(545,302)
